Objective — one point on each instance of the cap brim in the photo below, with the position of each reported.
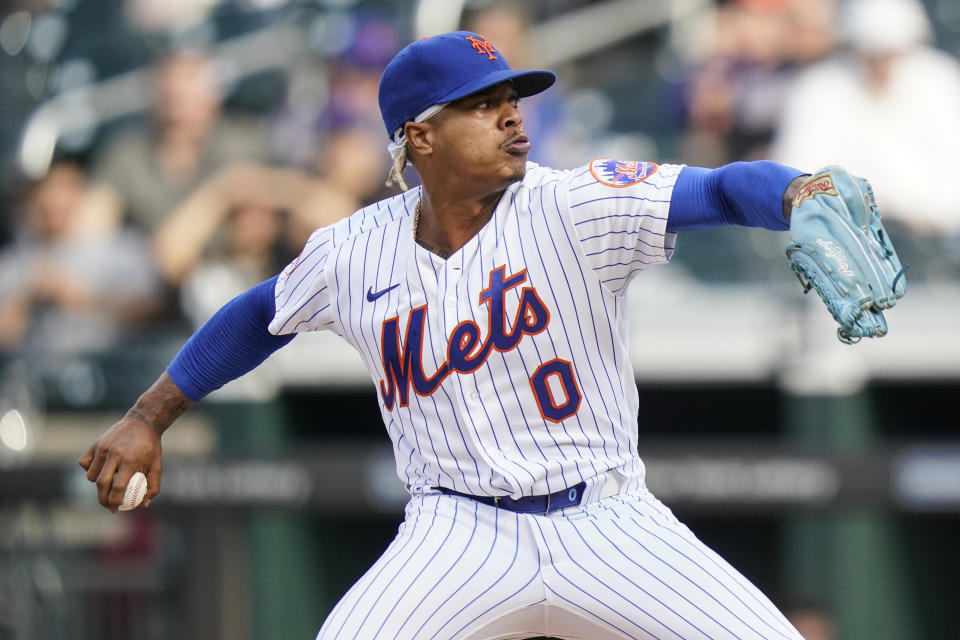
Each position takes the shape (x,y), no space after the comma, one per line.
(527,83)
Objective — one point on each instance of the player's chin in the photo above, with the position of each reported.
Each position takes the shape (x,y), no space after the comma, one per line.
(516,167)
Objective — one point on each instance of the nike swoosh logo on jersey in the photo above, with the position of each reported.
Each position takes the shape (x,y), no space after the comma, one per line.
(371,296)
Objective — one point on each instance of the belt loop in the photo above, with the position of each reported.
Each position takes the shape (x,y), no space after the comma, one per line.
(496,501)
(548,504)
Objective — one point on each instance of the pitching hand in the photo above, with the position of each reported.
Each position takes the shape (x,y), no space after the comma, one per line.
(130,445)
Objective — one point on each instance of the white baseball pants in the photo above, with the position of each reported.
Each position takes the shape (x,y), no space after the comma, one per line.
(611,569)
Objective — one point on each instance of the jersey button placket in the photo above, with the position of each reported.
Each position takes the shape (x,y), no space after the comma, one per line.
(451,316)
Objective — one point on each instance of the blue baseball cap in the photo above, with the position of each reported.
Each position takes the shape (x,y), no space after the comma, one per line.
(445,68)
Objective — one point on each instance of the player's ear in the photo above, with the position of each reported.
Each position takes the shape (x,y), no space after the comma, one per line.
(420,137)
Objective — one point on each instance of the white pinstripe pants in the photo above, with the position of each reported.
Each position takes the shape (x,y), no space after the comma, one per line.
(621,567)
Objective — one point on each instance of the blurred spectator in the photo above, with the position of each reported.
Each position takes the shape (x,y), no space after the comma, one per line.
(355,161)
(241,227)
(337,91)
(154,166)
(888,100)
(355,73)
(66,285)
(737,88)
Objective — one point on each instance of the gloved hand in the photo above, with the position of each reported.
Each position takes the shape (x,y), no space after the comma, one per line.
(839,247)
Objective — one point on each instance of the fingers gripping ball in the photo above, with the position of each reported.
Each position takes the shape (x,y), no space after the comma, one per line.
(136,490)
(838,247)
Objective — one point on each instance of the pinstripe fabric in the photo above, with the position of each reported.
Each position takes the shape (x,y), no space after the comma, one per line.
(619,568)
(504,370)
(496,429)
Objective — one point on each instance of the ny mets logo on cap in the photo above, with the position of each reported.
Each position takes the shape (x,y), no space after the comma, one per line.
(621,173)
(482,46)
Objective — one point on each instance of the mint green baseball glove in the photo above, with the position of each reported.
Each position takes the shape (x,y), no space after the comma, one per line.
(839,247)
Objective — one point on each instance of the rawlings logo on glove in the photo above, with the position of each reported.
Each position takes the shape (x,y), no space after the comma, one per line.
(813,186)
(839,247)
(835,252)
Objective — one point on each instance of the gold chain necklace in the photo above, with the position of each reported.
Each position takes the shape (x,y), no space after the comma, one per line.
(416,218)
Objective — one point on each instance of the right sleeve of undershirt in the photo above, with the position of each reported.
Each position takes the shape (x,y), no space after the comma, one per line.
(303,295)
(620,210)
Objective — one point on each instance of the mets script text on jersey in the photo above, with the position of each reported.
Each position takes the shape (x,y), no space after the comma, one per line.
(403,364)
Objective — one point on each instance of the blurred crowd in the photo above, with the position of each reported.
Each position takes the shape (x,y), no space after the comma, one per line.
(164,216)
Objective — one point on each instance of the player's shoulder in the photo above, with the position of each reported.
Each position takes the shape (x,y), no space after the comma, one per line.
(538,175)
(603,181)
(383,213)
(338,236)
(610,172)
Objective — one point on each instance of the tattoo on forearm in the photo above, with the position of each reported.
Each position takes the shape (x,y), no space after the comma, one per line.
(161,405)
(143,418)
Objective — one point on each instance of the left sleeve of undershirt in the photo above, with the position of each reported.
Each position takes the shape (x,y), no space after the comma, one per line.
(749,194)
(231,343)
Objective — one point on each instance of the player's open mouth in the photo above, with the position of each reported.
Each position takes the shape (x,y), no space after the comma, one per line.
(518,145)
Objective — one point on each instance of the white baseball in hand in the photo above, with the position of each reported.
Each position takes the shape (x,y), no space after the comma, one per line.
(136,490)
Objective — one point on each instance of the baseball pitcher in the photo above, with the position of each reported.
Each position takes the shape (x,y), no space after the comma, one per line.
(489,308)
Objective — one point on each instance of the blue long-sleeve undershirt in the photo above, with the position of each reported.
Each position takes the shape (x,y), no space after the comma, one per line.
(231,343)
(742,193)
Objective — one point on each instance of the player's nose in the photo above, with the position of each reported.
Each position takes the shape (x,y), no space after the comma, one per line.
(513,121)
(510,115)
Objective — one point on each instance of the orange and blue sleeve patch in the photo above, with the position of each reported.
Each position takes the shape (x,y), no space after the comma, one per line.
(621,173)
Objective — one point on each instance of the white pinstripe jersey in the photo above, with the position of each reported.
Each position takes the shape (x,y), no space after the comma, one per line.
(504,369)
